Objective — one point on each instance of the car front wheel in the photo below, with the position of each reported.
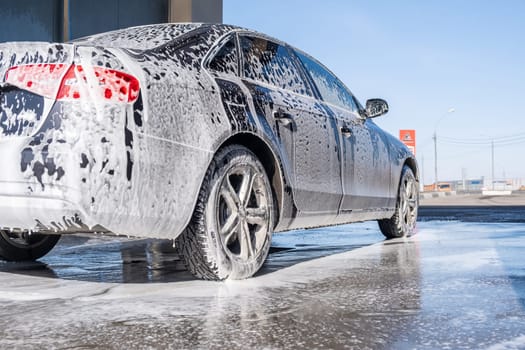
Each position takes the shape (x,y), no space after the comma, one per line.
(25,246)
(403,222)
(230,233)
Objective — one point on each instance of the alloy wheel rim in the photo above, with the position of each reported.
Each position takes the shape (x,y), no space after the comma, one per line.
(243,212)
(408,205)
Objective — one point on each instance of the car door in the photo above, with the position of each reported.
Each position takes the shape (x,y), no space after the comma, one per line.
(366,166)
(366,169)
(306,134)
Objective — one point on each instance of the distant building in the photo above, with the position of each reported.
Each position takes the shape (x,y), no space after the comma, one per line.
(64,20)
(475,185)
(441,187)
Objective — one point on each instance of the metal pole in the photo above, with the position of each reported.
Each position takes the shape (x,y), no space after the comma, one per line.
(450,110)
(435,162)
(493,165)
(463,179)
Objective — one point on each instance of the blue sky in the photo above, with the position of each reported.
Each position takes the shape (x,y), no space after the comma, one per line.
(423,57)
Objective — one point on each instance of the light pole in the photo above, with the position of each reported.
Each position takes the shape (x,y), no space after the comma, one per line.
(450,110)
(492,148)
(491,160)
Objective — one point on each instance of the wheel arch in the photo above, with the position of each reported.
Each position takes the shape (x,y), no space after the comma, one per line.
(412,164)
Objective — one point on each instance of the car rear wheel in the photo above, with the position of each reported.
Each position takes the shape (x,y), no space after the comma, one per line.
(403,222)
(230,233)
(25,246)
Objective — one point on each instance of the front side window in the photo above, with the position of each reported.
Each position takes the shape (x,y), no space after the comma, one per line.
(225,60)
(332,90)
(271,63)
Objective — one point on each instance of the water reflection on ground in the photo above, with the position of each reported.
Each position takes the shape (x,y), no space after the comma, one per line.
(453,285)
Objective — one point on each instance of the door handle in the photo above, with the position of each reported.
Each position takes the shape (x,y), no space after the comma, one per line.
(346,131)
(283,117)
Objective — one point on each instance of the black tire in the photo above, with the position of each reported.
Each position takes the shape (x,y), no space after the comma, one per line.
(25,246)
(403,222)
(230,233)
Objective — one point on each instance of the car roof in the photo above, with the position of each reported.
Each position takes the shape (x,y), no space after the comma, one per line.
(144,37)
(147,37)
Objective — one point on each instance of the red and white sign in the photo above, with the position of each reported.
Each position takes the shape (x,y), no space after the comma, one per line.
(408,137)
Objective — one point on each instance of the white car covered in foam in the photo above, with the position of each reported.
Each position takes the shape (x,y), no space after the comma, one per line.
(211,135)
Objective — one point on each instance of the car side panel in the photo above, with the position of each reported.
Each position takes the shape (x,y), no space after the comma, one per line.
(308,142)
(145,181)
(183,124)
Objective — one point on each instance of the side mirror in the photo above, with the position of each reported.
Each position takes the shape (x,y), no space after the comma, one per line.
(376,107)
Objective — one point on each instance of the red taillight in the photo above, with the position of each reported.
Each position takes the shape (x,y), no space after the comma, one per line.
(71,82)
(41,79)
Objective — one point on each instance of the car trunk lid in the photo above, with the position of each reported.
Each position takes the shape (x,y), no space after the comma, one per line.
(30,77)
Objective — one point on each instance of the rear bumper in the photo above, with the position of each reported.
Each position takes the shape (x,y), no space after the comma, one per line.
(22,210)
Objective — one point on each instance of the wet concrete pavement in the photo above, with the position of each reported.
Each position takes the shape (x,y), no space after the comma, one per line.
(453,285)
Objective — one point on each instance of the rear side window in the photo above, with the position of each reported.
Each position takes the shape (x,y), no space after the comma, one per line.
(226,59)
(332,90)
(271,63)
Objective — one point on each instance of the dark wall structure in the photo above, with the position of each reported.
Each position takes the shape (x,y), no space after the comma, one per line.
(113,14)
(39,20)
(63,20)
